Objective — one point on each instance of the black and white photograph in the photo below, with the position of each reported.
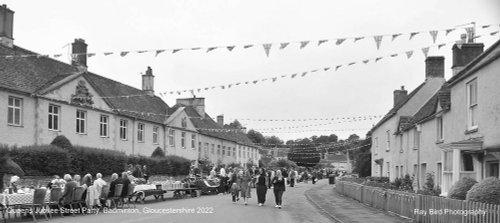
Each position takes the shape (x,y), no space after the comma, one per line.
(262,111)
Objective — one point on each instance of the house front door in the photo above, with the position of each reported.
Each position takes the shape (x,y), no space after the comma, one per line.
(493,170)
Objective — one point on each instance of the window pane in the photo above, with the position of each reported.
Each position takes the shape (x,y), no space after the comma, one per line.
(50,122)
(11,101)
(10,116)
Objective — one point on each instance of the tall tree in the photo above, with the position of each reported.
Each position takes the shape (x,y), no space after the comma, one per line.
(353,137)
(256,136)
(234,125)
(274,140)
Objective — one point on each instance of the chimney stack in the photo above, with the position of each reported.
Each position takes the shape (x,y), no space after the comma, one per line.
(197,103)
(400,95)
(6,26)
(464,52)
(434,67)
(220,120)
(148,82)
(79,51)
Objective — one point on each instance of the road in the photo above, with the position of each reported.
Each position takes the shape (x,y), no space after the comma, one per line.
(217,208)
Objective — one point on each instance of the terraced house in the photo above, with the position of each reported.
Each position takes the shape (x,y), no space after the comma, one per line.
(454,132)
(43,98)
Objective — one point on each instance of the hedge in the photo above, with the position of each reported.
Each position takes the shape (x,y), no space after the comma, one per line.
(461,187)
(486,191)
(48,160)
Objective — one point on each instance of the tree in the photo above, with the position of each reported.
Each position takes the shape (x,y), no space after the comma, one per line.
(234,125)
(273,140)
(290,142)
(361,157)
(158,153)
(256,137)
(353,137)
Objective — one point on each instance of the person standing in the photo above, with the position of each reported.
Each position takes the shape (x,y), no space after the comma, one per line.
(245,183)
(279,188)
(262,184)
(292,177)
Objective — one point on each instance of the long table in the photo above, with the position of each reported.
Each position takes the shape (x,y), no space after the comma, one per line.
(16,199)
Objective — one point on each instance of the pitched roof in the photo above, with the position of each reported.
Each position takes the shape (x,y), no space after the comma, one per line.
(430,107)
(395,109)
(34,73)
(489,55)
(207,126)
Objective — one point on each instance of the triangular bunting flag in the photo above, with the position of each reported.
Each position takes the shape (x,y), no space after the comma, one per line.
(274,79)
(238,83)
(485,26)
(293,75)
(448,31)
(57,55)
(222,87)
(230,48)
(229,86)
(304,74)
(441,45)
(378,40)
(206,89)
(322,41)
(91,54)
(246,82)
(247,46)
(255,82)
(176,50)
(352,63)
(394,55)
(283,76)
(267,48)
(303,44)
(314,70)
(211,48)
(425,50)
(196,48)
(409,54)
(108,53)
(141,51)
(339,41)
(366,61)
(178,92)
(394,36)
(158,52)
(283,45)
(358,38)
(413,35)
(199,89)
(265,79)
(337,67)
(124,53)
(326,68)
(493,33)
(377,59)
(434,34)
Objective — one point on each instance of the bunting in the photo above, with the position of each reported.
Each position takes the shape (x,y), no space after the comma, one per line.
(158,52)
(322,41)
(448,31)
(378,40)
(409,54)
(123,53)
(283,45)
(441,45)
(413,34)
(175,51)
(267,48)
(339,41)
(425,50)
(230,48)
(394,36)
(211,48)
(303,44)
(434,34)
(358,38)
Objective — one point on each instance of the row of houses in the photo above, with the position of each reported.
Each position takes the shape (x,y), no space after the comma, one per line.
(447,128)
(43,98)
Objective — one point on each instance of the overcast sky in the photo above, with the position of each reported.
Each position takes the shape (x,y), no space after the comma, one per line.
(357,90)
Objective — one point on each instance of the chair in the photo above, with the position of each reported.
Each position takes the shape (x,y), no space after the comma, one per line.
(55,196)
(3,209)
(77,199)
(104,195)
(118,195)
(38,202)
(131,195)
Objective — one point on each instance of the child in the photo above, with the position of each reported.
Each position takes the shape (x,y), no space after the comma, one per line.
(235,192)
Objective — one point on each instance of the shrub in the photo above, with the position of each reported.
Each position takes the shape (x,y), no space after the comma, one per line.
(62,142)
(158,153)
(460,188)
(94,160)
(41,160)
(397,182)
(486,191)
(406,183)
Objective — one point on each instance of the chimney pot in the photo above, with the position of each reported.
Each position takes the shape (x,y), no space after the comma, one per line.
(6,26)
(400,96)
(148,82)
(220,120)
(434,67)
(79,51)
(464,54)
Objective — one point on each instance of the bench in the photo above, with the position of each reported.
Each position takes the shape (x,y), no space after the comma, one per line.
(157,193)
(181,192)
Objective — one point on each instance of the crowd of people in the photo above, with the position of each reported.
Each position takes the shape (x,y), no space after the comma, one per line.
(239,182)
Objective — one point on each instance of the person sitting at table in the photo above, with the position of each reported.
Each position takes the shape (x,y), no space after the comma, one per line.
(114,181)
(126,182)
(68,190)
(87,180)
(13,183)
(137,173)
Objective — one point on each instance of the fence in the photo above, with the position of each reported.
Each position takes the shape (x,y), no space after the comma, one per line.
(422,208)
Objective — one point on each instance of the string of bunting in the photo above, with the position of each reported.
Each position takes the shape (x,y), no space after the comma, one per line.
(408,54)
(304,119)
(267,46)
(315,130)
(311,125)
(333,152)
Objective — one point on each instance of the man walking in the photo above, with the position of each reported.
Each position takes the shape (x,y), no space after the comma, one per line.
(292,175)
